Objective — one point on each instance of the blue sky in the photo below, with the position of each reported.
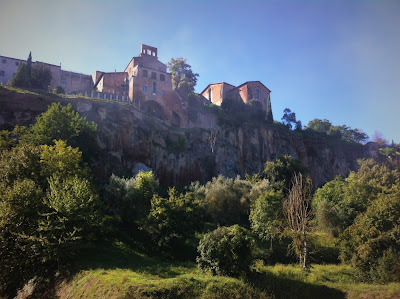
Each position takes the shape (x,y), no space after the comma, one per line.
(338,60)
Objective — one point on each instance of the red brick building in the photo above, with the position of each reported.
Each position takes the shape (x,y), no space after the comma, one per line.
(217,92)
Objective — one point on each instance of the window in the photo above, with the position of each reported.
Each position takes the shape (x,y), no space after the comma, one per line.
(4,61)
(17,63)
(64,81)
(154,88)
(257,94)
(145,73)
(153,75)
(162,77)
(144,88)
(1,73)
(162,93)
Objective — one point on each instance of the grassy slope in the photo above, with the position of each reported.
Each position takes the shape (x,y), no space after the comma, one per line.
(117,271)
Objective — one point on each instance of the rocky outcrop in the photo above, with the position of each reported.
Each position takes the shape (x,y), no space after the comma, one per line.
(131,140)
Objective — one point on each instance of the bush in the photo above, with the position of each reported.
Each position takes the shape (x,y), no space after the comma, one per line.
(172,221)
(372,243)
(129,198)
(226,251)
(226,200)
(59,90)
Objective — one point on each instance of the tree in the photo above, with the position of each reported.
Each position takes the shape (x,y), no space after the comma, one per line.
(183,78)
(226,200)
(318,125)
(40,76)
(266,215)
(62,123)
(173,220)
(372,243)
(22,77)
(226,251)
(333,212)
(280,171)
(289,119)
(130,198)
(29,65)
(297,210)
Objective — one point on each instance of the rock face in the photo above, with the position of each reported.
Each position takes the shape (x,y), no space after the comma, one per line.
(131,140)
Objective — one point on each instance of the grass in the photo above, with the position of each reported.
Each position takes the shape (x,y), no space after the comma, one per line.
(338,277)
(118,271)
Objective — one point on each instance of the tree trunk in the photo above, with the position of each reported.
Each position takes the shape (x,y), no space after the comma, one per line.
(305,252)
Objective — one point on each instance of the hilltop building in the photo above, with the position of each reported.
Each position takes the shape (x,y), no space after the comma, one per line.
(71,82)
(216,93)
(146,83)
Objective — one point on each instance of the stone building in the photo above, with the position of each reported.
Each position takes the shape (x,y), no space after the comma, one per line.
(217,92)
(71,82)
(146,83)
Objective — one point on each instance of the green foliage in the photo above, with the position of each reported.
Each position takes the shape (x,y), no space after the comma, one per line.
(61,160)
(40,76)
(173,220)
(340,201)
(236,111)
(19,206)
(318,125)
(226,251)
(266,215)
(47,207)
(63,123)
(289,120)
(129,198)
(372,243)
(22,77)
(342,132)
(280,171)
(226,200)
(6,141)
(183,78)
(333,213)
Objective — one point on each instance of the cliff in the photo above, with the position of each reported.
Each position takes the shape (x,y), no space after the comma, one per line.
(130,140)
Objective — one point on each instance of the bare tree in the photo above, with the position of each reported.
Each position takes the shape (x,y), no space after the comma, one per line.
(297,210)
(212,139)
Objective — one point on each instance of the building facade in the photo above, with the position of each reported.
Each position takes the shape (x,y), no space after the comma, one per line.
(217,92)
(71,82)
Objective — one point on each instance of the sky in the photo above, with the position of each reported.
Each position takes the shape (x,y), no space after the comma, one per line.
(335,60)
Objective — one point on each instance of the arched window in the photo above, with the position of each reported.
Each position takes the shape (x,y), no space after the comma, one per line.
(257,94)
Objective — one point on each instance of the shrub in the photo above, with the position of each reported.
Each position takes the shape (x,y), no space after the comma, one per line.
(172,221)
(226,251)
(372,243)
(59,90)
(129,198)
(226,200)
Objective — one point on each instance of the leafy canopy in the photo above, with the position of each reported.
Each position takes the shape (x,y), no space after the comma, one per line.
(226,251)
(183,78)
